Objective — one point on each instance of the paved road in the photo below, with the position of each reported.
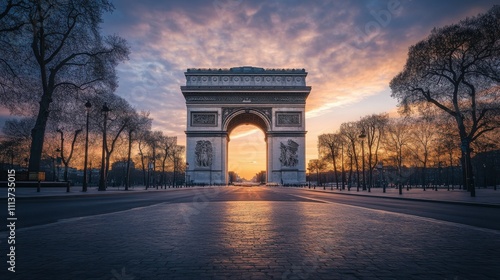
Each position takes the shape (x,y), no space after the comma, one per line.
(251,233)
(473,215)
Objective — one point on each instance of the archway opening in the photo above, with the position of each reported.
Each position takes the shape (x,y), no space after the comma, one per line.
(247,154)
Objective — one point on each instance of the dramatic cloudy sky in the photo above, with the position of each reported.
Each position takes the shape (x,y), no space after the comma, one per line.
(351,50)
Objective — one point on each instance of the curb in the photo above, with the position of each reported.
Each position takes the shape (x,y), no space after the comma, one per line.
(102,194)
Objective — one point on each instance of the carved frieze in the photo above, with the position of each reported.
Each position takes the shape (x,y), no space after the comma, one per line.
(246,80)
(203,118)
(203,153)
(288,118)
(288,156)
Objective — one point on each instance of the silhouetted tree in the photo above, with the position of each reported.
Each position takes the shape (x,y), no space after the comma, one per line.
(63,52)
(139,122)
(456,69)
(67,159)
(350,131)
(397,142)
(374,127)
(329,148)
(166,144)
(17,133)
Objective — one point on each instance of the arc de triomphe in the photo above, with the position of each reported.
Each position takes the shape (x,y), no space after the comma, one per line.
(219,100)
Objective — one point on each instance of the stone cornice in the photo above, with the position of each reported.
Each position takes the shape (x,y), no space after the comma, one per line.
(235,98)
(244,70)
(244,88)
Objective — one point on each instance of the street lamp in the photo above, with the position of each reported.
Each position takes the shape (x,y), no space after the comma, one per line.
(87,108)
(102,179)
(362,136)
(187,176)
(58,163)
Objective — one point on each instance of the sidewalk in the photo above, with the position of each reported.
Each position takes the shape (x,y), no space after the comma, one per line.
(483,196)
(31,192)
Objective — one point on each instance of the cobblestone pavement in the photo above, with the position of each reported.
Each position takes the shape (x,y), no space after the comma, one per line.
(294,238)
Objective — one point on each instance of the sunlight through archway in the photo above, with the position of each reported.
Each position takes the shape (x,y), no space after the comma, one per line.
(247,151)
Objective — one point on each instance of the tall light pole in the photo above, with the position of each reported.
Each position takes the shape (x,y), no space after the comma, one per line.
(362,136)
(58,163)
(342,159)
(187,176)
(87,108)
(102,179)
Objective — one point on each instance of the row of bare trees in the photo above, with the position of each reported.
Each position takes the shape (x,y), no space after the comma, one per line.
(451,78)
(396,146)
(129,138)
(51,54)
(53,60)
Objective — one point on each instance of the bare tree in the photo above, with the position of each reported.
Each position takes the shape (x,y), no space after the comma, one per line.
(139,122)
(62,51)
(316,165)
(67,159)
(396,143)
(114,122)
(350,131)
(11,15)
(179,165)
(11,22)
(142,138)
(167,145)
(423,136)
(456,69)
(329,148)
(374,127)
(17,139)
(154,146)
(9,148)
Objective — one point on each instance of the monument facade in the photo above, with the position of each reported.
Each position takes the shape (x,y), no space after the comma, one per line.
(219,100)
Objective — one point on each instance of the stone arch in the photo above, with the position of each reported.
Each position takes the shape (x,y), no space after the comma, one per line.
(219,100)
(247,116)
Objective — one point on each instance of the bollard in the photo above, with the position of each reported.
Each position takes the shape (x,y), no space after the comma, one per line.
(67,186)
(38,186)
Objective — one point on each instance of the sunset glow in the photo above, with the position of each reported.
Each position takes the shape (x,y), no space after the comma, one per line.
(351,50)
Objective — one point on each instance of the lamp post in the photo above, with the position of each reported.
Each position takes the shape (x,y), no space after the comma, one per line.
(102,179)
(58,163)
(362,136)
(87,108)
(187,176)
(342,159)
